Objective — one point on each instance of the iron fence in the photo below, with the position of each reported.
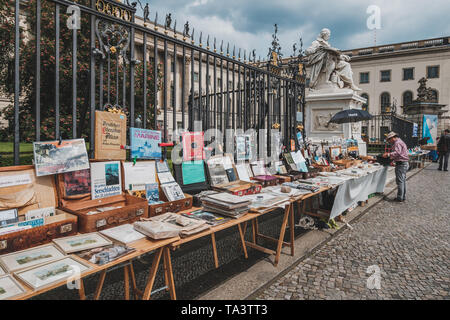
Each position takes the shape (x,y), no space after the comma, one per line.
(109,42)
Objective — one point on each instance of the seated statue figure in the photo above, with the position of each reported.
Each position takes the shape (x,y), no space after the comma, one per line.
(329,62)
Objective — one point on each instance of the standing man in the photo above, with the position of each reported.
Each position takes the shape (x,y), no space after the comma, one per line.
(443,147)
(401,158)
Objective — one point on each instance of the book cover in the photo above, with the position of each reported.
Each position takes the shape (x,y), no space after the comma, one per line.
(173,191)
(152,193)
(231,175)
(53,157)
(110,136)
(145,144)
(77,183)
(105,179)
(193,146)
(193,172)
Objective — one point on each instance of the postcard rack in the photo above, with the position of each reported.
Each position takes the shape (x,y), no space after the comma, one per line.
(40,193)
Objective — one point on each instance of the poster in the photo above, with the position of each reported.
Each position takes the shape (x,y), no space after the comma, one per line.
(53,157)
(145,144)
(193,146)
(415,130)
(106,180)
(193,172)
(244,147)
(77,183)
(138,175)
(110,136)
(429,128)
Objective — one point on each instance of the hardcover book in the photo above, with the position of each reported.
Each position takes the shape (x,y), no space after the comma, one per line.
(106,179)
(193,146)
(152,193)
(145,144)
(110,136)
(77,183)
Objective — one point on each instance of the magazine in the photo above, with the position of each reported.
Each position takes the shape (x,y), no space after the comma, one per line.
(54,157)
(106,179)
(210,217)
(145,144)
(173,191)
(101,256)
(193,146)
(77,183)
(152,193)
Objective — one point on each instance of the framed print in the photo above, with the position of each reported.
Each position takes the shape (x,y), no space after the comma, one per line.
(31,257)
(335,152)
(82,242)
(52,272)
(54,157)
(10,288)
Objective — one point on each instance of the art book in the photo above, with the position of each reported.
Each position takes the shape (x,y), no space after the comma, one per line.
(145,144)
(77,183)
(152,193)
(106,179)
(54,157)
(173,191)
(110,136)
(193,146)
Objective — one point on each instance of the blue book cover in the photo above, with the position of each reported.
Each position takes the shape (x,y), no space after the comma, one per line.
(152,193)
(145,144)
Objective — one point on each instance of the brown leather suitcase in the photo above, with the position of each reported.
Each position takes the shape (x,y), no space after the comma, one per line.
(41,193)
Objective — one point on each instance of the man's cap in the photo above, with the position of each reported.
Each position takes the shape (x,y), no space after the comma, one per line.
(391,135)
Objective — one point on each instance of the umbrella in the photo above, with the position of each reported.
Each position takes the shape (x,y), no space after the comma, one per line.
(350,115)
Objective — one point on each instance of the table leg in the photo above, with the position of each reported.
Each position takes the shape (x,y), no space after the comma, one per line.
(81,290)
(292,229)
(100,283)
(152,275)
(256,227)
(136,291)
(282,232)
(254,231)
(242,234)
(216,259)
(170,281)
(126,281)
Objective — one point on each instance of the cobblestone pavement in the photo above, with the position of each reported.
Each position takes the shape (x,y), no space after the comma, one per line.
(408,242)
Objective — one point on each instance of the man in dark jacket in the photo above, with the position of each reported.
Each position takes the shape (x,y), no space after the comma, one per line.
(444,150)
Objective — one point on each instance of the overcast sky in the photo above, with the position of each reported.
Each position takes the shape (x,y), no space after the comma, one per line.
(249,23)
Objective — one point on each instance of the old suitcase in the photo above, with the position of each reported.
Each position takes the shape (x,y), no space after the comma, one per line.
(40,193)
(170,206)
(239,188)
(267,181)
(124,209)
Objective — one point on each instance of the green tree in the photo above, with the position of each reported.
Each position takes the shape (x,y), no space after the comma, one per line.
(28,73)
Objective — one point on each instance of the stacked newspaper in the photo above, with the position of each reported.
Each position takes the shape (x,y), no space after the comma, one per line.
(226,204)
(170,225)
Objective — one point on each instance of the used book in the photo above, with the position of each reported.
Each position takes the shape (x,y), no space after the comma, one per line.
(124,234)
(106,179)
(145,144)
(110,136)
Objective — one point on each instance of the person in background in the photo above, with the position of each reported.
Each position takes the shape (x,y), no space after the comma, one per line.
(443,148)
(399,154)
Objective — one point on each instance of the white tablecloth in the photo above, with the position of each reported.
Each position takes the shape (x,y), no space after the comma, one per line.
(358,189)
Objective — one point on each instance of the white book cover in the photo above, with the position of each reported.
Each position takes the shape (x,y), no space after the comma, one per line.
(242,172)
(106,179)
(124,234)
(139,174)
(173,191)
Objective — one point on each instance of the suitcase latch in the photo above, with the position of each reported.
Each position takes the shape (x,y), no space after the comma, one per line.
(3,244)
(140,212)
(66,228)
(100,223)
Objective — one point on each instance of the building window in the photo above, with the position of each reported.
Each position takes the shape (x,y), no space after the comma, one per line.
(407,98)
(408,74)
(385,76)
(433,72)
(365,106)
(385,102)
(219,83)
(364,77)
(195,76)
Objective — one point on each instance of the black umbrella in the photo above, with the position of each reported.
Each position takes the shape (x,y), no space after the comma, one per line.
(351,115)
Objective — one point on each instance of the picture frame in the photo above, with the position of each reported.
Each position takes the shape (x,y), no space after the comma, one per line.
(335,152)
(52,272)
(10,287)
(82,242)
(25,259)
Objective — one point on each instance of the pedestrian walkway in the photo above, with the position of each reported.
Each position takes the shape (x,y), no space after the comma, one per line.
(408,243)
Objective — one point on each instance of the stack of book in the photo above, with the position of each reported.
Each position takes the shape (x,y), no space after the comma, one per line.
(226,204)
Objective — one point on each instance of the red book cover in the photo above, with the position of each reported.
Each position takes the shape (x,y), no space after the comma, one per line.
(77,183)
(193,146)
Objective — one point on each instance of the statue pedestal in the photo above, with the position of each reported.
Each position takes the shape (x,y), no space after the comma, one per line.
(322,105)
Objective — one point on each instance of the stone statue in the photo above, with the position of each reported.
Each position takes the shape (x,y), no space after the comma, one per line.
(329,67)
(168,21)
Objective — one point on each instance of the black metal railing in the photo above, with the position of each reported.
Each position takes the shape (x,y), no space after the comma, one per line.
(105,73)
